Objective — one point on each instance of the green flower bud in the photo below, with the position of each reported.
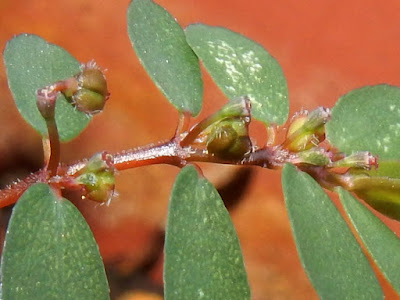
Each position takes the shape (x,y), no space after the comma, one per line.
(87,90)
(307,131)
(88,101)
(92,78)
(97,178)
(222,139)
(225,133)
(229,139)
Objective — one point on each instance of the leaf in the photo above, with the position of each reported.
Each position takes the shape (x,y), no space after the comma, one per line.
(242,67)
(382,244)
(32,63)
(49,251)
(367,119)
(379,187)
(202,253)
(160,44)
(330,255)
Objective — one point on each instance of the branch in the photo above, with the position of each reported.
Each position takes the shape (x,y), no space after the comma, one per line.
(221,138)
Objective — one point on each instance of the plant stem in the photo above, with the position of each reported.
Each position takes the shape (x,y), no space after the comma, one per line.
(54,144)
(46,103)
(12,192)
(172,153)
(162,153)
(179,151)
(169,152)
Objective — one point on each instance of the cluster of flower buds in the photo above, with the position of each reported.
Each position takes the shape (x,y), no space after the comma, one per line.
(87,90)
(225,133)
(97,177)
(379,187)
(307,131)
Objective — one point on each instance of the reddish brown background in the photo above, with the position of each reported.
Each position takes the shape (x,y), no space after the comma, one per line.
(325,49)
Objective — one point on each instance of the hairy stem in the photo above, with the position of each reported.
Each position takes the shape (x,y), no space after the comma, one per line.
(172,153)
(10,194)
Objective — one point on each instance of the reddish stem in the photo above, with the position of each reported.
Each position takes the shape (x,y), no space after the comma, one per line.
(169,152)
(11,193)
(172,153)
(55,150)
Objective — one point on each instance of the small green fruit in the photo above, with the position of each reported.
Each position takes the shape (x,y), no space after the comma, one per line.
(97,178)
(88,101)
(87,90)
(229,139)
(93,79)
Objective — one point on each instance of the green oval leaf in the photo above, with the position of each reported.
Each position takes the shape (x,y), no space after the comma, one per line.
(160,44)
(202,254)
(330,255)
(382,244)
(242,67)
(50,252)
(379,187)
(32,63)
(367,119)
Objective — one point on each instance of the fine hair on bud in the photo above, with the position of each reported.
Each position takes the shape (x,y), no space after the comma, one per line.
(88,90)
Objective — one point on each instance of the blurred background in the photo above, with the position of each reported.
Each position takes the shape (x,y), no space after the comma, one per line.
(325,48)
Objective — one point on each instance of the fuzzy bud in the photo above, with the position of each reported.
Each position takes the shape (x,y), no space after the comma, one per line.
(97,177)
(307,131)
(87,90)
(229,139)
(226,133)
